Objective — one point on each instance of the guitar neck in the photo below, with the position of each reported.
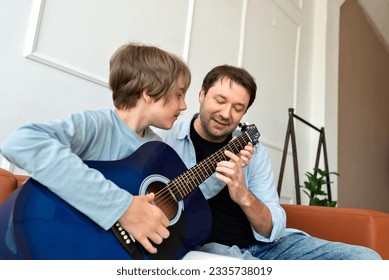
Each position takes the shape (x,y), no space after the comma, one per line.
(184,184)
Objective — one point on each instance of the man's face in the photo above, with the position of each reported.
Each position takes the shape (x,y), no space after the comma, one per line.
(221,110)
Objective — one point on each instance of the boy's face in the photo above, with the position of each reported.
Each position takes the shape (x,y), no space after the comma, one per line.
(168,109)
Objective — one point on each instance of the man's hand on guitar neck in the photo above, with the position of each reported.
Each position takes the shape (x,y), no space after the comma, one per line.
(231,172)
(246,154)
(145,222)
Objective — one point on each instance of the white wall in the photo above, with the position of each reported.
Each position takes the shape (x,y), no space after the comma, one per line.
(377,12)
(55,59)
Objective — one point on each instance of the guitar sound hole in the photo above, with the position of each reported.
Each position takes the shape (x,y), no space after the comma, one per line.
(164,199)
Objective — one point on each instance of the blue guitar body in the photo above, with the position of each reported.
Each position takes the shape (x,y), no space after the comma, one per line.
(43,226)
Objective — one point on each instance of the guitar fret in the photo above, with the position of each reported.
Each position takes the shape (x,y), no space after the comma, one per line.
(193,177)
(186,182)
(185,185)
(176,193)
(198,174)
(180,190)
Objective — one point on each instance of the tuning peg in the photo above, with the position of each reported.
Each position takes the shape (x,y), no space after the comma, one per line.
(243,124)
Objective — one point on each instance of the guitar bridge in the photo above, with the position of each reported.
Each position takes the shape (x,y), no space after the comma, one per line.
(127,241)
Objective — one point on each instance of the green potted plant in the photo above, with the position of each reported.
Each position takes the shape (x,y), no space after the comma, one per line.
(313,188)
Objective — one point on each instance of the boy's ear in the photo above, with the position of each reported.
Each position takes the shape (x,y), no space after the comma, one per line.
(146,96)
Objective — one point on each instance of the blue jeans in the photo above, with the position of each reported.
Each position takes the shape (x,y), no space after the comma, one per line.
(296,246)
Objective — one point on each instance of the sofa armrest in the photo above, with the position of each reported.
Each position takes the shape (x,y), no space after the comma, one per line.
(9,182)
(363,227)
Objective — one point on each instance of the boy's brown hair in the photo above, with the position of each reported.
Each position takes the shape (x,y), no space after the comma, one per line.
(136,68)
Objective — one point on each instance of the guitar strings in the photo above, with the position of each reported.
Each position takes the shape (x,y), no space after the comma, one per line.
(165,199)
(182,180)
(184,184)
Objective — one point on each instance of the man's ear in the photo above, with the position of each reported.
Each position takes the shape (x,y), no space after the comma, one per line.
(201,95)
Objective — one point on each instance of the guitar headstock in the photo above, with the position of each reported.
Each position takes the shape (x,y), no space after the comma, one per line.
(252,132)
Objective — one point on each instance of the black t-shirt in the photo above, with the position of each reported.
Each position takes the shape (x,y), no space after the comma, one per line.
(229,223)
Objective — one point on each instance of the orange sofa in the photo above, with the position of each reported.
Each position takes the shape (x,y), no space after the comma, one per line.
(363,227)
(9,182)
(354,226)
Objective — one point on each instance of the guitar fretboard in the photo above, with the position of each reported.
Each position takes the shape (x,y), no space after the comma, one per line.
(184,184)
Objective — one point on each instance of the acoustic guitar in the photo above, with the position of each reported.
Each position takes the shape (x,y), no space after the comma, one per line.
(43,226)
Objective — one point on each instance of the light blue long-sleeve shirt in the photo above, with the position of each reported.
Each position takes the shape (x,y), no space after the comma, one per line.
(258,176)
(53,154)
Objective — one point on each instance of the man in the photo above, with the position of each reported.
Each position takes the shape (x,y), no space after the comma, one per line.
(248,221)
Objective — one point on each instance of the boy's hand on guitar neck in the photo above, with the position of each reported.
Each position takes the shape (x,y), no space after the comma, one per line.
(145,222)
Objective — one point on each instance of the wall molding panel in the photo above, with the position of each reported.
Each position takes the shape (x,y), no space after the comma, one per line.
(272,30)
(298,4)
(32,52)
(47,39)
